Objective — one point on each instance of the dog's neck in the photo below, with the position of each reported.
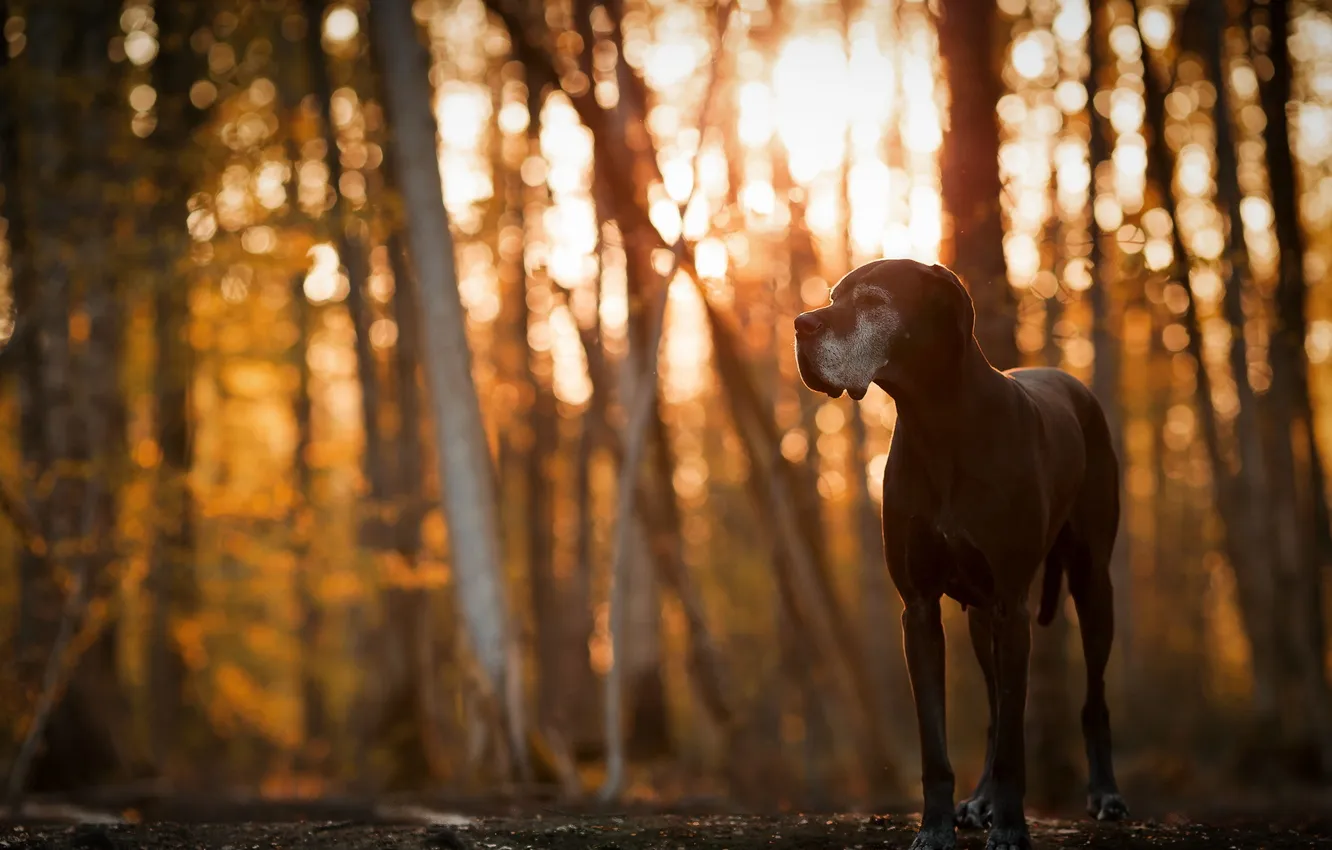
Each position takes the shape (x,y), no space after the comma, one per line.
(944,412)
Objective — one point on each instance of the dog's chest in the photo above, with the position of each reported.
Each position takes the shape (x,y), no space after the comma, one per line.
(967,576)
(975,524)
(950,559)
(958,508)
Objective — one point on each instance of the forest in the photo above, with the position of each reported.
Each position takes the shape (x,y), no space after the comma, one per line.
(398,398)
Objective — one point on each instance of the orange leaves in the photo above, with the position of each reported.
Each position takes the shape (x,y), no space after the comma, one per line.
(340,587)
(147,453)
(238,698)
(79,326)
(434,533)
(393,570)
(188,634)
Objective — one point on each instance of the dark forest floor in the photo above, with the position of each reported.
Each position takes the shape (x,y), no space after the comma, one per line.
(668,832)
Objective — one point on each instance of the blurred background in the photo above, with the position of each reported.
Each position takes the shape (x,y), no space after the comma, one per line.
(319,480)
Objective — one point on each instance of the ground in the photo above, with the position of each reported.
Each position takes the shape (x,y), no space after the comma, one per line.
(665,832)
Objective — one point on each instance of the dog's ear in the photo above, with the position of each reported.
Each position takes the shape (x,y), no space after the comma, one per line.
(963,306)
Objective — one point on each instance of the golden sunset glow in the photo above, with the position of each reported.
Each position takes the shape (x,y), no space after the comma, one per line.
(739,158)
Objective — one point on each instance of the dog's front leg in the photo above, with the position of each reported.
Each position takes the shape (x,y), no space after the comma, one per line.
(922,631)
(1012,646)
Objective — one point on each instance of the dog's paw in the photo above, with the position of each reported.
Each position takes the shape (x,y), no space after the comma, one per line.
(1106,806)
(1008,838)
(935,838)
(974,813)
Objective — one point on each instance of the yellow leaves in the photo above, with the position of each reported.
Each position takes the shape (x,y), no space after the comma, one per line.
(341,587)
(239,697)
(147,453)
(201,336)
(396,571)
(252,379)
(79,326)
(265,641)
(1230,660)
(69,548)
(434,533)
(188,634)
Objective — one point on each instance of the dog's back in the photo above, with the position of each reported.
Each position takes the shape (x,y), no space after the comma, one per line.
(1051,388)
(1088,536)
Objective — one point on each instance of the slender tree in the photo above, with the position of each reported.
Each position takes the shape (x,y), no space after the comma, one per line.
(313,710)
(348,233)
(1289,362)
(1300,679)
(969,173)
(40,286)
(1050,706)
(22,353)
(1240,525)
(465,474)
(69,741)
(294,68)
(95,686)
(177,156)
(1105,342)
(531,450)
(389,706)
(411,499)
(1302,525)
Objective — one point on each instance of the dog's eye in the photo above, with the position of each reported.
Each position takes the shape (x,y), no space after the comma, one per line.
(869,296)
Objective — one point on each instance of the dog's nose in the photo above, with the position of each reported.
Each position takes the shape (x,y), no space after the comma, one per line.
(807,324)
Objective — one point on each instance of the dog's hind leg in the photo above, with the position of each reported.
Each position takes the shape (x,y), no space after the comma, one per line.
(1089,585)
(974,812)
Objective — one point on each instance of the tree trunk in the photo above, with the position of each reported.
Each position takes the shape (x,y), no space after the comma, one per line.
(642,398)
(408,718)
(543,422)
(1050,710)
(1266,587)
(410,502)
(71,742)
(347,233)
(1242,546)
(178,721)
(656,548)
(294,64)
(95,686)
(969,172)
(313,710)
(535,439)
(581,715)
(880,606)
(465,473)
(1298,482)
(172,582)
(1105,381)
(37,600)
(43,294)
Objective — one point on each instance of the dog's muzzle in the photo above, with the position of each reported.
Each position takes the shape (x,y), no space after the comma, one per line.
(808,327)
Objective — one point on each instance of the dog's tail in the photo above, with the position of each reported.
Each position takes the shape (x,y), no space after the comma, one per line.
(1054,575)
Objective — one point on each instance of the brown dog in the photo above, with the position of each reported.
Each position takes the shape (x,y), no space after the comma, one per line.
(990,475)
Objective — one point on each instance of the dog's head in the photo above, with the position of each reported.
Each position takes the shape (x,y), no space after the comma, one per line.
(899,322)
